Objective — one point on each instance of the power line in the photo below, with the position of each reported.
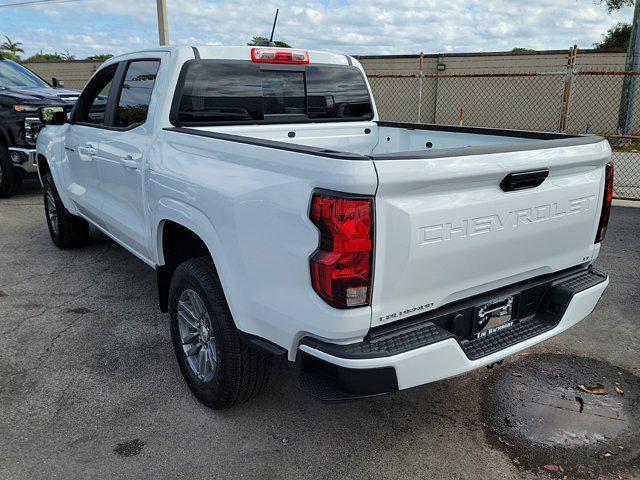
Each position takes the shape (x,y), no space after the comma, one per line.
(34,2)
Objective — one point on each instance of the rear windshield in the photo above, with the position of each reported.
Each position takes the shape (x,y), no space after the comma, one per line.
(214,93)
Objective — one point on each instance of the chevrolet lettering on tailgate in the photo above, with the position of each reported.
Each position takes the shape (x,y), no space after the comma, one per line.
(502,221)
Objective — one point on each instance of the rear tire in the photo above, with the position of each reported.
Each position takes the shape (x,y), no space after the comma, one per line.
(67,230)
(202,330)
(9,178)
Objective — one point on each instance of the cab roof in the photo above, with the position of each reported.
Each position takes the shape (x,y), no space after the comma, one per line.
(243,52)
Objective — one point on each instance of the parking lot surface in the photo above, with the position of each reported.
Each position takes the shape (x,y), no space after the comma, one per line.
(89,386)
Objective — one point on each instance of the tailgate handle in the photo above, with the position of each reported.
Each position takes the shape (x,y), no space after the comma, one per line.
(523,180)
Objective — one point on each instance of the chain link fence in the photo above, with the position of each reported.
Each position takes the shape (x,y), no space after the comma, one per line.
(566,101)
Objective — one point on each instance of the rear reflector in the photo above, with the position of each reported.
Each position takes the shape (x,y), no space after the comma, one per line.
(275,55)
(341,267)
(606,202)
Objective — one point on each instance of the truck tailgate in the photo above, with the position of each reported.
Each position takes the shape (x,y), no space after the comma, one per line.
(445,230)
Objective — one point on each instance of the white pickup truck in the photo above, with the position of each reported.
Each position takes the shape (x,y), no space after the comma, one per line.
(283,218)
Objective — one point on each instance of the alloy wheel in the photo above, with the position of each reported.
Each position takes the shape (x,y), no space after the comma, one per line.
(198,342)
(52,211)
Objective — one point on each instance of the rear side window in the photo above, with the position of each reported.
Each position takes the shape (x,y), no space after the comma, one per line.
(213,92)
(135,93)
(220,92)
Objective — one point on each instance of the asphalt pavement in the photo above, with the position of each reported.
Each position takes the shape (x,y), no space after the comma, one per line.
(89,386)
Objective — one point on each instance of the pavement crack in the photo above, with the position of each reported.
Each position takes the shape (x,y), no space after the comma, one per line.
(14,375)
(43,355)
(60,401)
(59,334)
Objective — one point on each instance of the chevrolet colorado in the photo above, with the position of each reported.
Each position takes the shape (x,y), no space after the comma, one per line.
(22,92)
(283,217)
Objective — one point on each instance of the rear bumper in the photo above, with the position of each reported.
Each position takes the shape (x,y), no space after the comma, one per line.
(425,352)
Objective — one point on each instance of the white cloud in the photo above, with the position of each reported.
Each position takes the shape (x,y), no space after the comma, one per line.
(355,27)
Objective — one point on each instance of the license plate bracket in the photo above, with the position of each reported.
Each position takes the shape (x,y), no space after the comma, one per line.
(493,316)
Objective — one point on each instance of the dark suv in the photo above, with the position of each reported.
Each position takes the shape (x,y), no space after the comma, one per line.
(22,92)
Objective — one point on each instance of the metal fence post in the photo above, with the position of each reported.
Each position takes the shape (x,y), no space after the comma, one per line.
(420,82)
(633,86)
(628,81)
(566,93)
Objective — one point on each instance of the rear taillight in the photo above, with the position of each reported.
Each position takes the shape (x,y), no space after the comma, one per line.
(606,202)
(274,55)
(341,267)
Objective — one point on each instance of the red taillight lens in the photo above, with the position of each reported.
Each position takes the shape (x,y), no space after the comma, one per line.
(606,202)
(341,267)
(273,55)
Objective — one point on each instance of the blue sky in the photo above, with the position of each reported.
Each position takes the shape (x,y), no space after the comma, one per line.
(86,27)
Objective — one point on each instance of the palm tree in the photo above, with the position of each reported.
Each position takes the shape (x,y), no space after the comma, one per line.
(10,46)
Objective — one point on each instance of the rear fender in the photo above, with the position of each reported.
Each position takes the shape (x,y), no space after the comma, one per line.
(188,216)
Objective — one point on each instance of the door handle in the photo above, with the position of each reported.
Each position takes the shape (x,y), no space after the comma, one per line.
(88,149)
(129,162)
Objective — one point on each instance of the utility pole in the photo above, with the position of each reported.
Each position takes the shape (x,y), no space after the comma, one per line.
(163,25)
(629,83)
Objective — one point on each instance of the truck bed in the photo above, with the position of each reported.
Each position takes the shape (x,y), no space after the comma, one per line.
(445,227)
(391,140)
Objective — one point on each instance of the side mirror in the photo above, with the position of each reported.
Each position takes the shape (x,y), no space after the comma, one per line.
(52,115)
(57,83)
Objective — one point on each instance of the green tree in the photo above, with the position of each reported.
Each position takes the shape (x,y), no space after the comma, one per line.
(615,4)
(521,49)
(45,57)
(256,40)
(10,49)
(617,36)
(67,56)
(100,57)
(10,56)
